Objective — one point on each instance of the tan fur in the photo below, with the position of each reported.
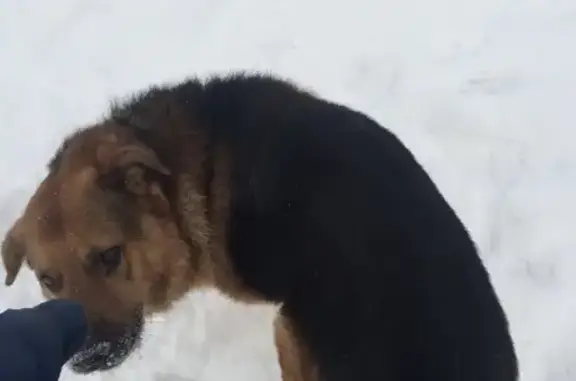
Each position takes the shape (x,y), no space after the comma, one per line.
(294,358)
(216,267)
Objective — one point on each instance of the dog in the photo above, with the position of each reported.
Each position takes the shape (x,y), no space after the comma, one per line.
(262,189)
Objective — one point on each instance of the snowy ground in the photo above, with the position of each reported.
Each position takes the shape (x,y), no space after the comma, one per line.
(482,91)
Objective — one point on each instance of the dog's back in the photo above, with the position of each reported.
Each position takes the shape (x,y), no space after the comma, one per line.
(334,217)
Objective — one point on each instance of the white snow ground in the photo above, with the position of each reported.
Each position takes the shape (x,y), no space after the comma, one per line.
(483,91)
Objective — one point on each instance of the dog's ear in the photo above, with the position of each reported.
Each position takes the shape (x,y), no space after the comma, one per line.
(13,254)
(129,166)
(139,155)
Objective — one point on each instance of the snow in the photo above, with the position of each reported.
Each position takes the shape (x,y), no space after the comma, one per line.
(482,91)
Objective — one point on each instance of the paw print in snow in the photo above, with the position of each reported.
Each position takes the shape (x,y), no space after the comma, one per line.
(490,84)
(540,273)
(170,377)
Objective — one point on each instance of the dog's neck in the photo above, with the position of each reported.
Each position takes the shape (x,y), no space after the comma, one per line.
(198,190)
(201,199)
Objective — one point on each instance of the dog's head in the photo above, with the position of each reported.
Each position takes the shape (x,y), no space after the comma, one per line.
(99,230)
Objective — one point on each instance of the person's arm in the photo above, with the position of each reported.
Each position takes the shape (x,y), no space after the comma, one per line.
(35,343)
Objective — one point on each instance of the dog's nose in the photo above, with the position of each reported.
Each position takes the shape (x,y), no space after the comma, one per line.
(95,355)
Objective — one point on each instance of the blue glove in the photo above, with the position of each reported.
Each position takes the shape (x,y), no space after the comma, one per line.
(35,343)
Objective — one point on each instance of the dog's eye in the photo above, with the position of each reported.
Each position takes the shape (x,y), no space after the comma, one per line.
(52,283)
(111,258)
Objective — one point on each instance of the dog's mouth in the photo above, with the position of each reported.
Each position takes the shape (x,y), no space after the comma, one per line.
(108,346)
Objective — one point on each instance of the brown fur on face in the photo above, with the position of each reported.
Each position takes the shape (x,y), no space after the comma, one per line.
(99,230)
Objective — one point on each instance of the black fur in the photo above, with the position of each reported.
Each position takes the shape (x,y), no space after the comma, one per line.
(333,217)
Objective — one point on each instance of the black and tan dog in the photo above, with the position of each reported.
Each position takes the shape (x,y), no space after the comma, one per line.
(270,194)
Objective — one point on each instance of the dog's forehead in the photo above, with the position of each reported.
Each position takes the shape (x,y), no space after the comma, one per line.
(85,147)
(67,213)
(54,213)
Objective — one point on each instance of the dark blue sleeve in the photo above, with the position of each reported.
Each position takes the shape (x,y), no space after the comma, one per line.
(36,342)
